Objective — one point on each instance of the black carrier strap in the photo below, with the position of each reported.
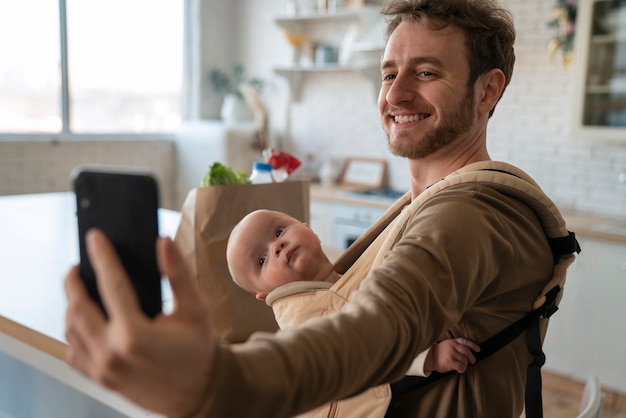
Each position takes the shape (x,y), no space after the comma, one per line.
(564,245)
(530,322)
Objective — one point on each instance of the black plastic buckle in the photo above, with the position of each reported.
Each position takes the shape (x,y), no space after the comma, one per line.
(549,307)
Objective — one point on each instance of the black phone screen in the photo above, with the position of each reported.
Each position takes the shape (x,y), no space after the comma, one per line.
(124,206)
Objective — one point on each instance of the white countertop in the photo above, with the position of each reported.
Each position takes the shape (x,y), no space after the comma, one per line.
(38,245)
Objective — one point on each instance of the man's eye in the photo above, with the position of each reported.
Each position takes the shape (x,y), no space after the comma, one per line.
(279,232)
(388,77)
(262,261)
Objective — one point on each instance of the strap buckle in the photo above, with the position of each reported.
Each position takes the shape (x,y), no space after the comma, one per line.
(549,307)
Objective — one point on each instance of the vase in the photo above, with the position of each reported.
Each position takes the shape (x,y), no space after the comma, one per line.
(235,109)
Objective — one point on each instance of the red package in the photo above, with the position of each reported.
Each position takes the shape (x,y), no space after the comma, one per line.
(283,160)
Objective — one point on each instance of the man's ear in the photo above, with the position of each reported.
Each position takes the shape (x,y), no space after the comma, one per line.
(489,89)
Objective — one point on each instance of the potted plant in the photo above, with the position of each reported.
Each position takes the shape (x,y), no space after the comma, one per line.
(227,85)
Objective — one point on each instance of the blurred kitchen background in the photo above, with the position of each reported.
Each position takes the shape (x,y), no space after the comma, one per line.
(331,116)
(140,83)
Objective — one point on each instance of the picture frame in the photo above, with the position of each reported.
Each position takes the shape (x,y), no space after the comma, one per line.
(364,173)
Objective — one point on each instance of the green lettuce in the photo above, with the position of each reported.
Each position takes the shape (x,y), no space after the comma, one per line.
(221,175)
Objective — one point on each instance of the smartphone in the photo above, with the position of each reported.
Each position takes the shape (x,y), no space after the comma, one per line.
(124,205)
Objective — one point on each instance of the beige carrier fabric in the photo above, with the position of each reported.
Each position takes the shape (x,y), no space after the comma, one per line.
(296,302)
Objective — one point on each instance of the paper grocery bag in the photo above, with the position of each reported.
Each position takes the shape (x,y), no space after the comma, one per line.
(207,217)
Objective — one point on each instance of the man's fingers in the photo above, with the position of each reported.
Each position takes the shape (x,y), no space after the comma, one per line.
(114,285)
(86,319)
(172,265)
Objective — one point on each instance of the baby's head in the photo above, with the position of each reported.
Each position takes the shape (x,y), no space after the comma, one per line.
(267,249)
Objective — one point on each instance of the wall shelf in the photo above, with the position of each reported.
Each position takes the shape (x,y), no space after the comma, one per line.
(295,23)
(294,75)
(355,54)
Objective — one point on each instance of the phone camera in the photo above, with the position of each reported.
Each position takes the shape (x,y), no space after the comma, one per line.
(85,203)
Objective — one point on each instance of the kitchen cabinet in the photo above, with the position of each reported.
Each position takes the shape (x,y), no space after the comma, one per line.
(601,46)
(587,334)
(354,38)
(321,219)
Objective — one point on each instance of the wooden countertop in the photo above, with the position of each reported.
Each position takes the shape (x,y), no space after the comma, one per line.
(584,225)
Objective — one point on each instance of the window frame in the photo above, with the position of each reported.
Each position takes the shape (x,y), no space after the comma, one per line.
(66,134)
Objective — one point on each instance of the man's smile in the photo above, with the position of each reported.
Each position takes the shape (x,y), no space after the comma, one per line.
(410,118)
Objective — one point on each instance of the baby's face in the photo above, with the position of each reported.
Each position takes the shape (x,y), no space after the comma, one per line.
(268,249)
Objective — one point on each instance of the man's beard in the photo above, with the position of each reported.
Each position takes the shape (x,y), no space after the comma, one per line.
(454,124)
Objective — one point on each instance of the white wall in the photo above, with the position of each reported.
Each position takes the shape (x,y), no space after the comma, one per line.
(337,115)
(31,166)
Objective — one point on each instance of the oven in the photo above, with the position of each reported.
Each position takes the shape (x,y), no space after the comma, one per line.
(350,221)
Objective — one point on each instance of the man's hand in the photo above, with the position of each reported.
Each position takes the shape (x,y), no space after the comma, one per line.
(164,364)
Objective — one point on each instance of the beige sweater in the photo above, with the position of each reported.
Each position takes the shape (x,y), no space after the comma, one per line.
(466,263)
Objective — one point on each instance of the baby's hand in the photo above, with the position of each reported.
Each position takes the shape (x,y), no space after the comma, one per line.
(453,354)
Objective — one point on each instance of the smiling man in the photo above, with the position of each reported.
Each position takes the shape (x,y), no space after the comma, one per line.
(467,262)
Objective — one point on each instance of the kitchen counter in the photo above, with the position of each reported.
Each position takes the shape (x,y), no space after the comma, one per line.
(332,194)
(584,225)
(597,227)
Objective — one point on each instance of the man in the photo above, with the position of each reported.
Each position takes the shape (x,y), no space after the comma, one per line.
(469,262)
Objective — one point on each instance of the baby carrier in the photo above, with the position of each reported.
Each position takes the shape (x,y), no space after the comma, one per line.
(509,181)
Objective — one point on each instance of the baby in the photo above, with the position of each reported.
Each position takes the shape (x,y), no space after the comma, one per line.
(269,250)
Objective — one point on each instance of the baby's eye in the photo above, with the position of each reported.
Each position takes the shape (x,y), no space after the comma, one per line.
(279,232)
(262,261)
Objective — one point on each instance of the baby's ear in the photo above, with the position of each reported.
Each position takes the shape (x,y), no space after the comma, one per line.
(261,296)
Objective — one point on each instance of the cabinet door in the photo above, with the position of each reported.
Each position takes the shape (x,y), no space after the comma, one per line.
(322,221)
(588,335)
(602,335)
(602,77)
(564,324)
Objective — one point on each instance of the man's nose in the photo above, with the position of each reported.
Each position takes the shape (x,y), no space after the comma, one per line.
(401,90)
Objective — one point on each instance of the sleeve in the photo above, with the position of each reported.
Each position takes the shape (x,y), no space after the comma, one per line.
(417,367)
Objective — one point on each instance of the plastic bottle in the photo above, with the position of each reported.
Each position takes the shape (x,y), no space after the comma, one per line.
(261,173)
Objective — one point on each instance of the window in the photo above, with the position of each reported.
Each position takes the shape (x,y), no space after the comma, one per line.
(123,70)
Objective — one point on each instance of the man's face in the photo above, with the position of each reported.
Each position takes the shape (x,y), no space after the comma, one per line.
(424,101)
